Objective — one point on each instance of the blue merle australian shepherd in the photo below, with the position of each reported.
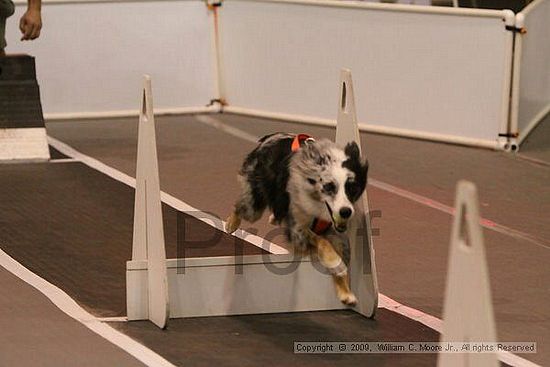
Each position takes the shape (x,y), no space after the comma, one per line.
(310,187)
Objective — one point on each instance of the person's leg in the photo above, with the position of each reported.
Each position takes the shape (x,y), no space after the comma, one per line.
(6,9)
(2,35)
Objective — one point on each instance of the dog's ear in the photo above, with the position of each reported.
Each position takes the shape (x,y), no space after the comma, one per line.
(354,162)
(365,168)
(311,150)
(352,150)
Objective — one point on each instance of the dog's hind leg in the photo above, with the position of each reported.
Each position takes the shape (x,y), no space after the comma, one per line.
(232,222)
(249,207)
(330,259)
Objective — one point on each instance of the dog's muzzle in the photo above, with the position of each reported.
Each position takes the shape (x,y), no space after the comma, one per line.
(340,224)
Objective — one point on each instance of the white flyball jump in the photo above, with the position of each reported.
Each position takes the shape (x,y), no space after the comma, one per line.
(232,285)
(468,309)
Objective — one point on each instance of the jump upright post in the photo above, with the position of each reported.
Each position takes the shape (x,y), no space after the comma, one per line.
(468,308)
(362,265)
(148,241)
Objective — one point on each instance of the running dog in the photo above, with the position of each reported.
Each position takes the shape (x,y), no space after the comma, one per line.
(310,187)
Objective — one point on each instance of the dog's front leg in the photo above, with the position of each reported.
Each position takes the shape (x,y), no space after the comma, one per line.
(330,259)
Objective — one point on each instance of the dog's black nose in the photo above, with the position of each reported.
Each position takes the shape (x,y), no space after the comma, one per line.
(345,212)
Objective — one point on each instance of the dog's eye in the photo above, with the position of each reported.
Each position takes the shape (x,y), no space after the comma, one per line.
(311,181)
(329,188)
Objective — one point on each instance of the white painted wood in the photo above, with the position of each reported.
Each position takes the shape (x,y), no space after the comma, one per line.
(137,302)
(468,310)
(220,286)
(148,241)
(362,265)
(431,70)
(197,262)
(24,144)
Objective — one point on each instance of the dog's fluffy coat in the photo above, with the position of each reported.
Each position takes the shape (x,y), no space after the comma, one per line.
(318,181)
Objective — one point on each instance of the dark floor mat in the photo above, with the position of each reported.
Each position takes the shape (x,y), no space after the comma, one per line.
(72,226)
(56,154)
(268,340)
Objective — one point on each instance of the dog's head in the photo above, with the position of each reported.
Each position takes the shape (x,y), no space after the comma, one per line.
(332,176)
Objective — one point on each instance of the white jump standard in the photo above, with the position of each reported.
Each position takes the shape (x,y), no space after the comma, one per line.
(468,308)
(148,241)
(212,286)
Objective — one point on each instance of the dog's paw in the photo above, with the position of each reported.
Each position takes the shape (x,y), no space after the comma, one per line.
(348,299)
(232,223)
(230,227)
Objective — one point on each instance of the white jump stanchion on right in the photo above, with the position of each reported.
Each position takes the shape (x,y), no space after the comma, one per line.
(148,242)
(468,310)
(363,279)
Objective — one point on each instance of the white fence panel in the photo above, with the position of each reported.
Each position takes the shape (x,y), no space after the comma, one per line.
(531,100)
(91,55)
(439,71)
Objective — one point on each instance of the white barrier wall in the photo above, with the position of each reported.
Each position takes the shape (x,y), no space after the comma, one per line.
(531,98)
(428,72)
(441,72)
(91,55)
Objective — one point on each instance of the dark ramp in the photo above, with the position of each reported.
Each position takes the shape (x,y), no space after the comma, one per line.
(72,226)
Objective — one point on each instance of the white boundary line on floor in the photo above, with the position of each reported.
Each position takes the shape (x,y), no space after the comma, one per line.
(486,223)
(236,132)
(166,198)
(72,309)
(63,160)
(112,319)
(384,301)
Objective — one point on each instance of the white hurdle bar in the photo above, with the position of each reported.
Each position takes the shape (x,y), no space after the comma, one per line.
(233,285)
(468,308)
